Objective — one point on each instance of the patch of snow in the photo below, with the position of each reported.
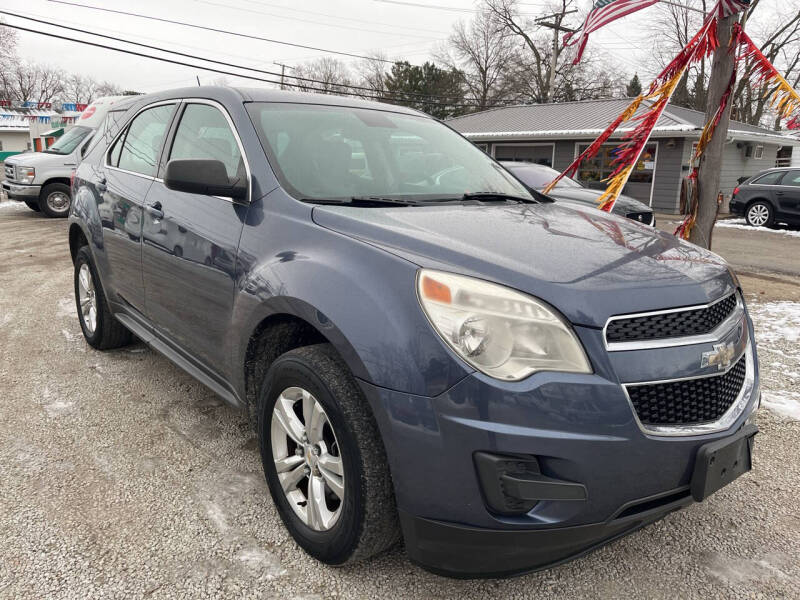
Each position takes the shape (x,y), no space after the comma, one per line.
(59,408)
(776,321)
(742,224)
(12,205)
(785,403)
(66,307)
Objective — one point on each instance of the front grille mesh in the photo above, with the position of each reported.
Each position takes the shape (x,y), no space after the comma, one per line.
(688,402)
(669,325)
(9,172)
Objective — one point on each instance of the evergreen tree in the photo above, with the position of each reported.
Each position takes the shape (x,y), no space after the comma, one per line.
(634,87)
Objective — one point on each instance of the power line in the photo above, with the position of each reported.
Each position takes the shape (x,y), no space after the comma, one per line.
(372,96)
(339,17)
(215,30)
(302,20)
(219,62)
(439,7)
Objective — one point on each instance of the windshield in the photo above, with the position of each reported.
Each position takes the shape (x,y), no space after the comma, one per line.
(69,141)
(538,176)
(334,152)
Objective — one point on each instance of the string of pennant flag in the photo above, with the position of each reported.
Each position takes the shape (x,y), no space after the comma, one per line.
(646,109)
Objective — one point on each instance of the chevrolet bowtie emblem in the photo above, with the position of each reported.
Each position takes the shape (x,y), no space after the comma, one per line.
(721,355)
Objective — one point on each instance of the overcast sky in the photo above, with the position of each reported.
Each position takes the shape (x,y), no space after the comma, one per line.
(357,26)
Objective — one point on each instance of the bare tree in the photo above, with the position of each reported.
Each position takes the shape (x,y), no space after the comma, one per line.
(484,50)
(79,89)
(330,75)
(372,74)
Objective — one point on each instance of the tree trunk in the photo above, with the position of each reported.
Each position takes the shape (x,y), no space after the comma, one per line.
(708,175)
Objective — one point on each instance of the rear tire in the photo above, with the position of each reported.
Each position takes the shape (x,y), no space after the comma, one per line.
(33,205)
(355,515)
(759,214)
(55,200)
(101,330)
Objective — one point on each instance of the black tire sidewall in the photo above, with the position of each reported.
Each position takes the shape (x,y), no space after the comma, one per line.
(770,219)
(50,189)
(337,544)
(33,205)
(84,257)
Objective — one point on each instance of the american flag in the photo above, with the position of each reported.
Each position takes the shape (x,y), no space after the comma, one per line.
(605,11)
(602,13)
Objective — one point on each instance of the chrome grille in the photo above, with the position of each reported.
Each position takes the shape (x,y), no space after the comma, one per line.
(688,401)
(9,172)
(671,324)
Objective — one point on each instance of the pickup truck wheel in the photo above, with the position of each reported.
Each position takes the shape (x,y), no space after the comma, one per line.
(100,328)
(324,459)
(33,205)
(759,214)
(55,200)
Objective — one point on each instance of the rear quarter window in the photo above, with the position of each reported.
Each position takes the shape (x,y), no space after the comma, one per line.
(772,178)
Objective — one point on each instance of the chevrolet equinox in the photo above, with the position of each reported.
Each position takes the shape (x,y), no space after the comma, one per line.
(426,349)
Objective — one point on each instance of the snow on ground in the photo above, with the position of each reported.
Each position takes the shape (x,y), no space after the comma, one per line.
(777,327)
(741,224)
(11,205)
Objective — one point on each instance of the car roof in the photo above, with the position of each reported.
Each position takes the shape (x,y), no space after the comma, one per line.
(225,94)
(516,164)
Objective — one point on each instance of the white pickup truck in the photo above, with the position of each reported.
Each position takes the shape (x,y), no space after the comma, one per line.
(42,179)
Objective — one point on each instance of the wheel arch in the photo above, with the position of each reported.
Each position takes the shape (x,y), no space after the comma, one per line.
(277,330)
(62,180)
(77,238)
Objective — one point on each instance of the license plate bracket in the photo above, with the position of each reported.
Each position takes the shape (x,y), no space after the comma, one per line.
(719,463)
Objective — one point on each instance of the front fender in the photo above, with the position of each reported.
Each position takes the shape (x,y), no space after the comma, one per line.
(361,298)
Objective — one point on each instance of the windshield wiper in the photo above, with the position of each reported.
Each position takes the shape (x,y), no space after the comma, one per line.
(497,196)
(365,201)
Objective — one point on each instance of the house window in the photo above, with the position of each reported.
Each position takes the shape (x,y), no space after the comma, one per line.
(600,167)
(758,153)
(1,145)
(484,147)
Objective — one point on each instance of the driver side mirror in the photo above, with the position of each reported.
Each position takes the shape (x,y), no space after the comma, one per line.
(203,176)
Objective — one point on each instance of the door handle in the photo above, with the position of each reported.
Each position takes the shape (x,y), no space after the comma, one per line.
(155,210)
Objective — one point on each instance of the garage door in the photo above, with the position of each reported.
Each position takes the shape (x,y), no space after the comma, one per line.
(539,154)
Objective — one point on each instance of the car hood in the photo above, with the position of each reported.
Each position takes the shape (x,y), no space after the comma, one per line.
(623,205)
(33,159)
(588,264)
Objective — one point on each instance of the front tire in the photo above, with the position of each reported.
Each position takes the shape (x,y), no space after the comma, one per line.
(100,328)
(55,200)
(759,214)
(33,205)
(324,459)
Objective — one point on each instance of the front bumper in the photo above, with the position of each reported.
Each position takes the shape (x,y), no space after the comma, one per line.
(580,428)
(18,191)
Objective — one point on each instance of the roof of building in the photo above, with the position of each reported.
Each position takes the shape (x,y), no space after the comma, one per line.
(583,118)
(18,119)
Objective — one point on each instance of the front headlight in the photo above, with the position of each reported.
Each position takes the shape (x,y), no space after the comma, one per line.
(500,332)
(26,174)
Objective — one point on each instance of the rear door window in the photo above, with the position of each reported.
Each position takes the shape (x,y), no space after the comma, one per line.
(772,178)
(143,140)
(792,178)
(204,133)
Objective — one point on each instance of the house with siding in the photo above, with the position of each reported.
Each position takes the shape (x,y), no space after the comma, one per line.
(554,135)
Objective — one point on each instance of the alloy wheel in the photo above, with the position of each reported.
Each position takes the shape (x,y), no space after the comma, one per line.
(58,202)
(307,458)
(87,298)
(758,215)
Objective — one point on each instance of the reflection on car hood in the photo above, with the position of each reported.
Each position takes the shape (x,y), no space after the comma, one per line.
(623,205)
(588,264)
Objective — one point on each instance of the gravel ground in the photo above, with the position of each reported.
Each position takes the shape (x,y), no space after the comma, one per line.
(121,477)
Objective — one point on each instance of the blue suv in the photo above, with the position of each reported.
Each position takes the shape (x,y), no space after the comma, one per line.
(426,349)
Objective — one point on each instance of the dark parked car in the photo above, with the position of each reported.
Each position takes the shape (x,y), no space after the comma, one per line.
(423,348)
(770,197)
(536,177)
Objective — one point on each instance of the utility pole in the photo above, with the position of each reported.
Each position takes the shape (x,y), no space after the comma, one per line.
(708,173)
(283,72)
(556,27)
